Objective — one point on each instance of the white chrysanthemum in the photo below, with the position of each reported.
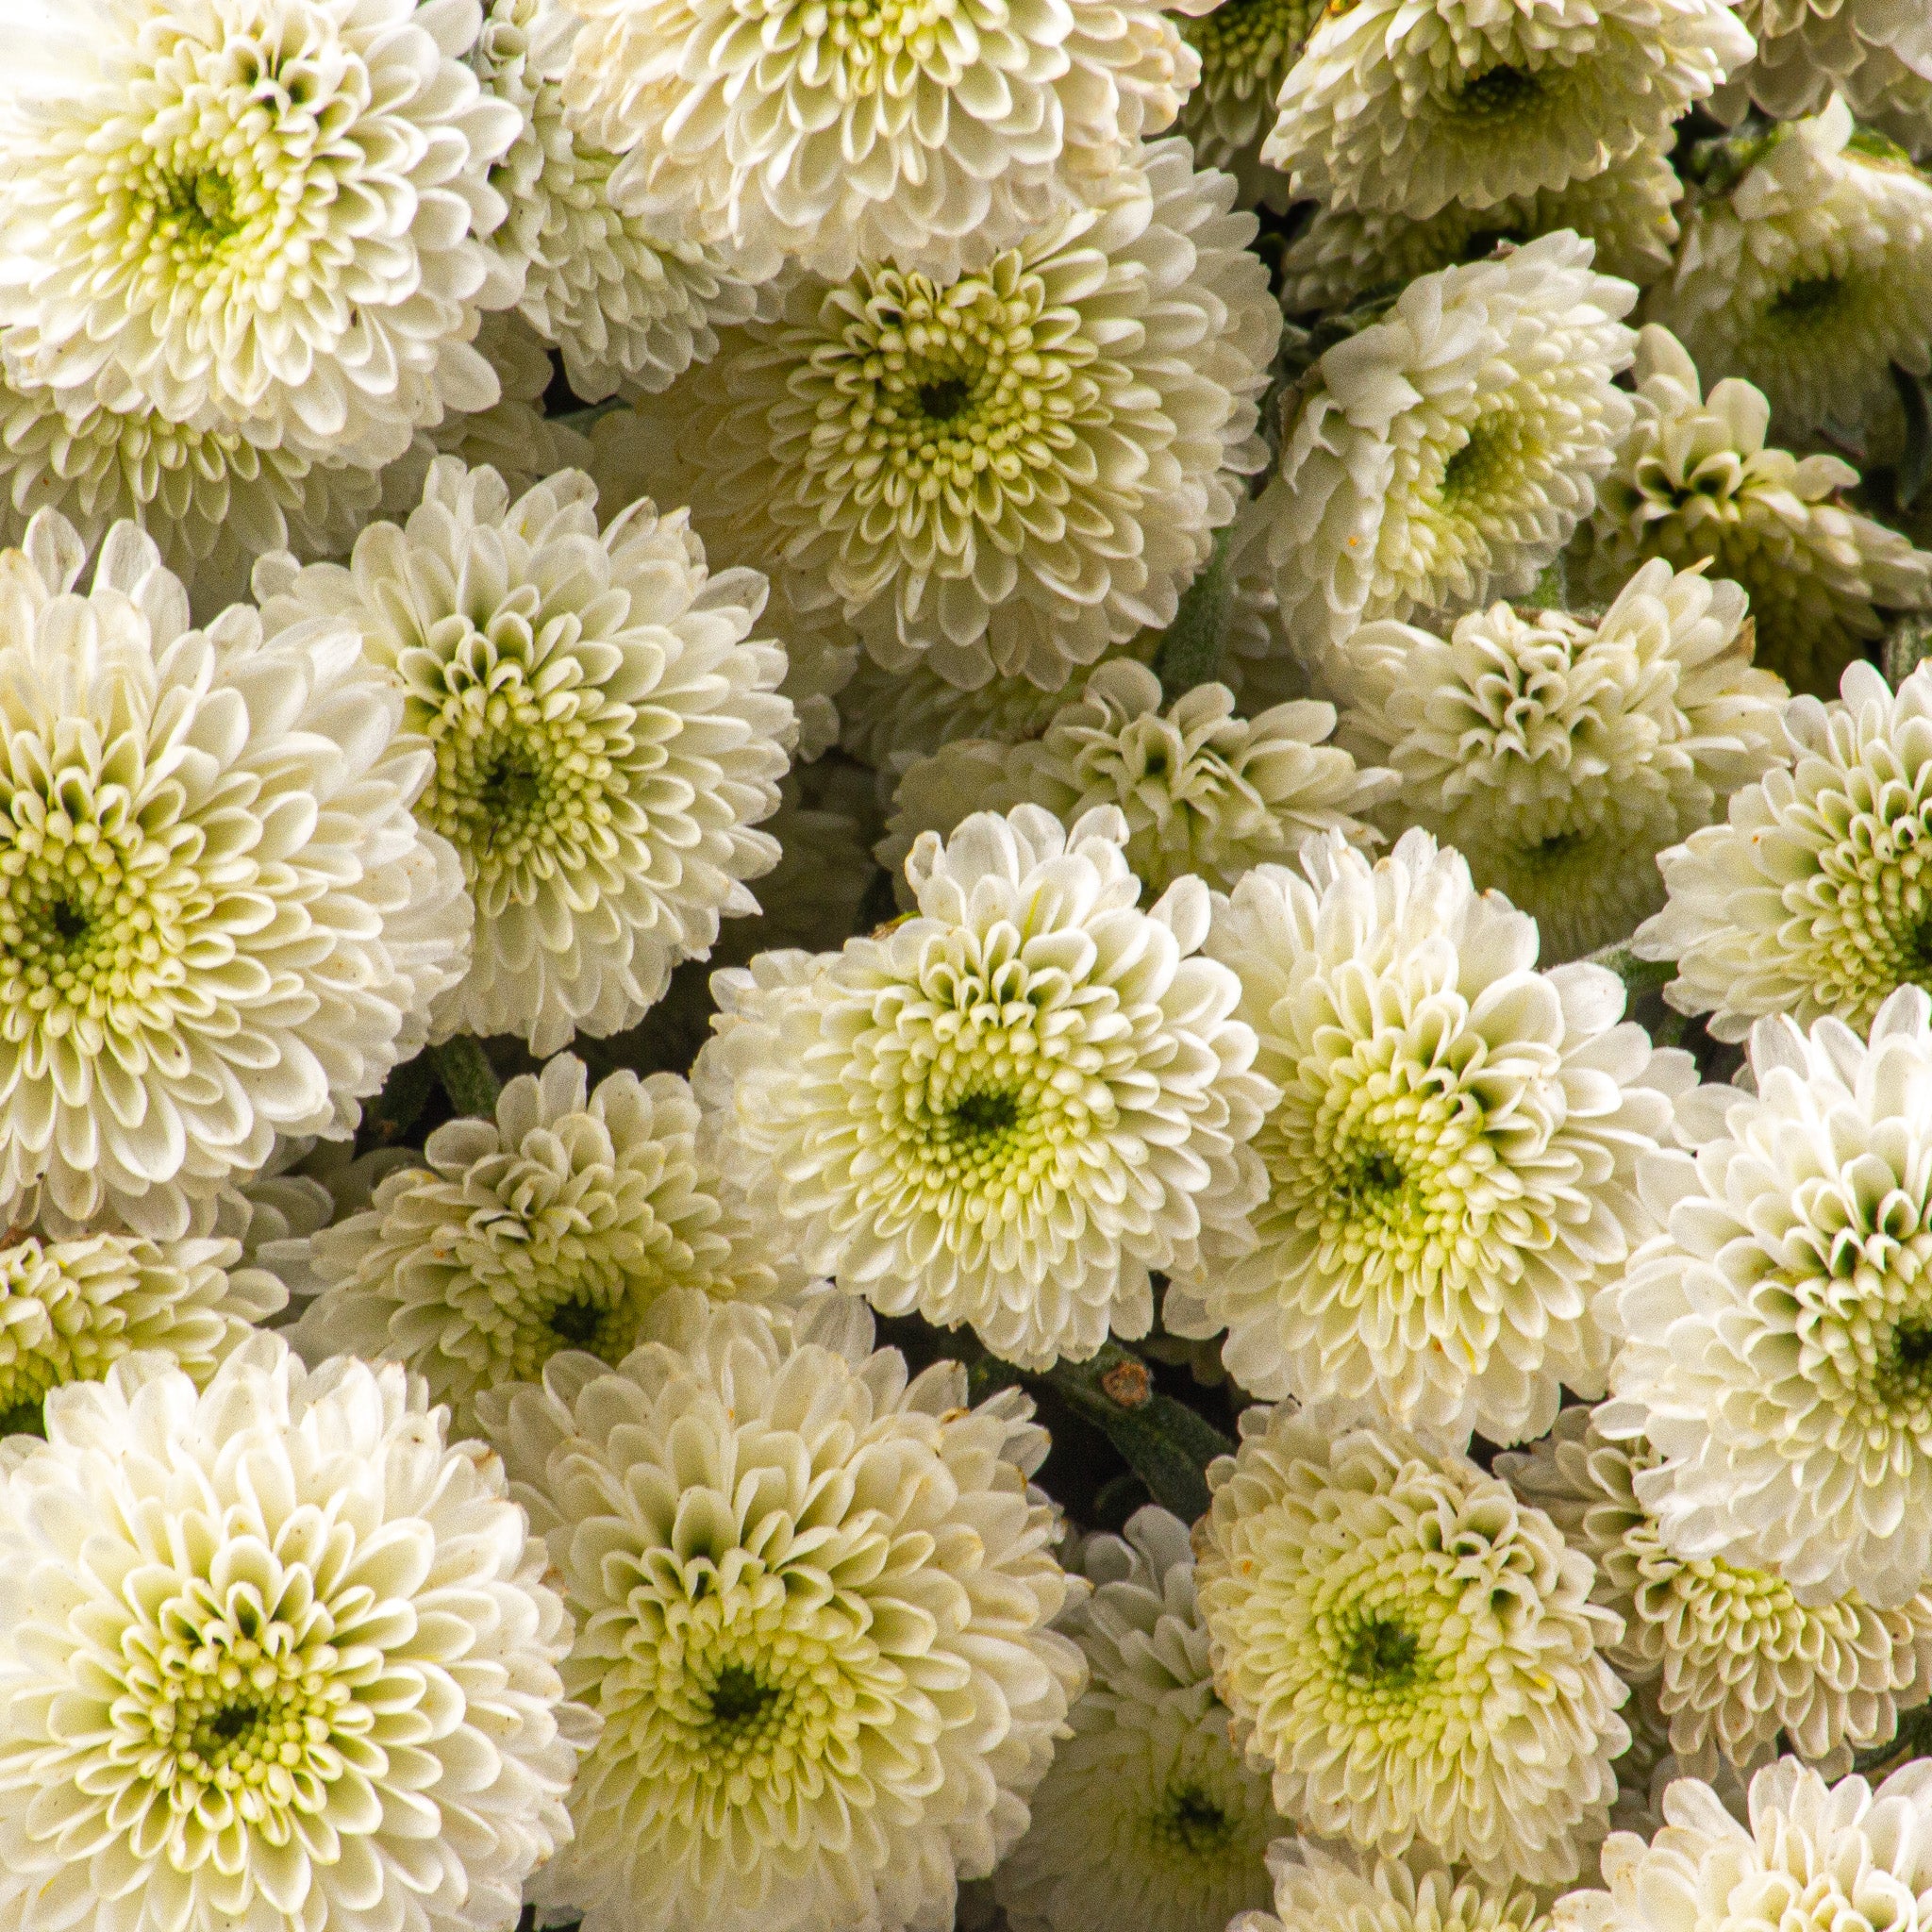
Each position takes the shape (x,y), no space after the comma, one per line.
(556,1226)
(1876,53)
(1441,456)
(70,1311)
(604,736)
(1777,1335)
(1148,1817)
(933,134)
(1811,279)
(1007,1108)
(219,920)
(1009,470)
(1412,1651)
(1245,48)
(272,1655)
(1323,1889)
(260,214)
(1203,790)
(1694,479)
(1815,895)
(1404,106)
(628,302)
(1809,1854)
(1628,210)
(1560,757)
(1450,1165)
(812,1602)
(1735,1659)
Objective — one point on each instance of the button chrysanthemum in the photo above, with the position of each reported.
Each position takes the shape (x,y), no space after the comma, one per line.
(1560,757)
(1008,1108)
(1451,1165)
(219,918)
(556,1226)
(272,1657)
(1148,1817)
(812,1600)
(260,214)
(606,737)
(1412,1651)
(1875,53)
(1442,455)
(1335,1888)
(1777,1335)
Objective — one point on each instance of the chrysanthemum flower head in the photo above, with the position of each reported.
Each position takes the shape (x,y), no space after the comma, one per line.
(1245,48)
(1814,896)
(1411,1650)
(1874,52)
(812,1600)
(272,1654)
(1560,756)
(1775,1334)
(1405,105)
(219,918)
(1442,455)
(1148,1817)
(1451,1165)
(1008,470)
(1335,1889)
(1696,479)
(604,736)
(260,214)
(1007,1108)
(1734,1658)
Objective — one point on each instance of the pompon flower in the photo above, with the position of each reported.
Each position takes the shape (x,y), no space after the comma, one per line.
(1830,1853)
(1810,279)
(1628,210)
(556,1226)
(1558,756)
(1451,1165)
(1734,1657)
(1245,48)
(1011,1106)
(1411,1651)
(70,1311)
(1202,791)
(1814,896)
(812,1599)
(1008,471)
(219,918)
(1148,1817)
(259,214)
(604,736)
(1878,56)
(272,1654)
(1404,106)
(1694,479)
(1442,455)
(1335,1888)
(1775,1334)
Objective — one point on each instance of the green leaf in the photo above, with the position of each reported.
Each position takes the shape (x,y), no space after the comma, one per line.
(466,1073)
(1913,1739)
(389,1117)
(1639,977)
(1907,646)
(1915,466)
(1189,653)
(1164,1441)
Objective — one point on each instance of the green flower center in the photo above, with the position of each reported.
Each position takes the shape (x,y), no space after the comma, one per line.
(1497,95)
(1485,462)
(1809,303)
(1247,46)
(1381,1651)
(1194,1823)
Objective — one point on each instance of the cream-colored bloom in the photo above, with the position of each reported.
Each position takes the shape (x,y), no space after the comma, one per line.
(1451,1162)
(1694,479)
(1007,1108)
(604,736)
(1245,48)
(1008,471)
(1203,790)
(1628,210)
(1148,1818)
(259,214)
(1560,757)
(1735,1657)
(1811,279)
(1775,1336)
(1814,896)
(272,1655)
(1405,105)
(556,1226)
(1412,1651)
(219,918)
(1323,1889)
(812,1599)
(1441,456)
(1875,53)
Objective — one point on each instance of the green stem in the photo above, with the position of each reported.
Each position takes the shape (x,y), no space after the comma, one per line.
(1164,1443)
(467,1076)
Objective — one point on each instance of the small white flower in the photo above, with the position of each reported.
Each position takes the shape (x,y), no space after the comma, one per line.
(1319,1888)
